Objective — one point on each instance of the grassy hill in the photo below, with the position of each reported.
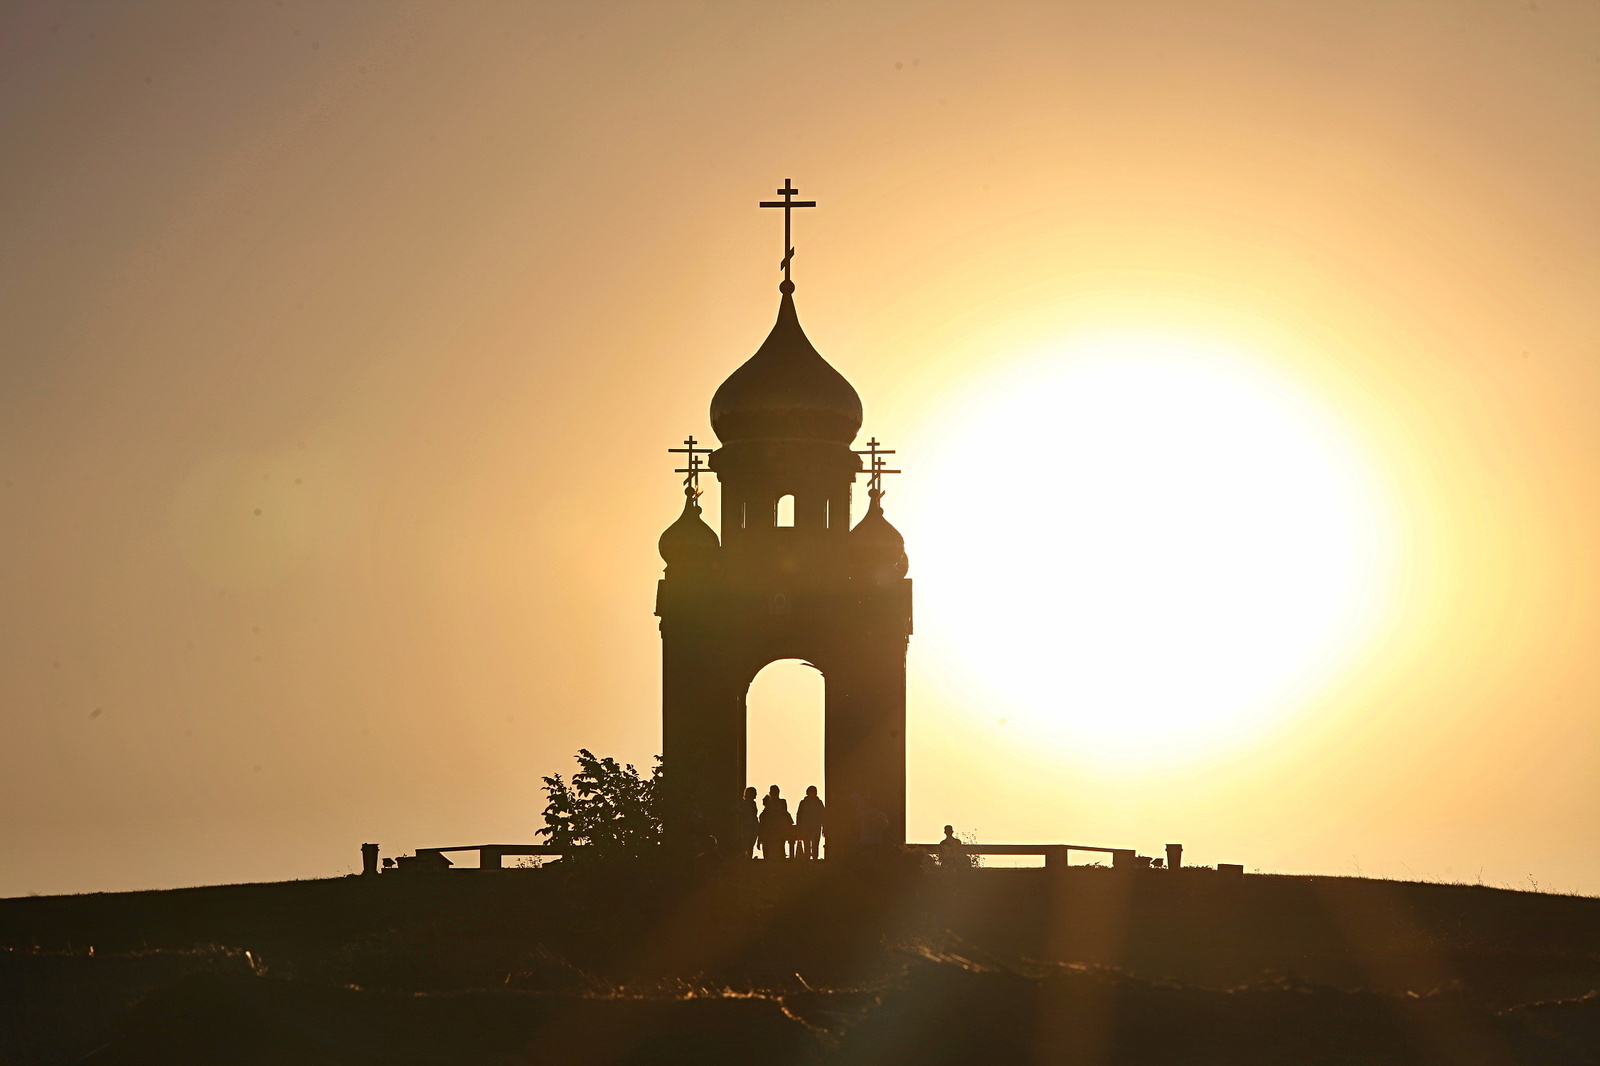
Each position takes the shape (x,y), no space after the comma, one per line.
(773,963)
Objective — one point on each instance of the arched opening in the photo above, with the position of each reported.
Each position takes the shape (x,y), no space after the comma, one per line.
(783,730)
(785,511)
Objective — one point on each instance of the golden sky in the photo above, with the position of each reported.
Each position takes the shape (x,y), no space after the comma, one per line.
(340,345)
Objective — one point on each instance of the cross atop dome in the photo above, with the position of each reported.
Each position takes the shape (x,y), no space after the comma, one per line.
(786,391)
(788,203)
(695,467)
(878,467)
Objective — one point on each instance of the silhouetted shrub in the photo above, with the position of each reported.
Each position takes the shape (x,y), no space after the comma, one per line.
(607,809)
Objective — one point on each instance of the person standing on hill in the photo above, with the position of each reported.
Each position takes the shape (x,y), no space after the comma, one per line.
(952,852)
(810,818)
(747,825)
(776,823)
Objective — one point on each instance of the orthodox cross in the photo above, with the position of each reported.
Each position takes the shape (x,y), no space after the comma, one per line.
(692,467)
(788,203)
(877,468)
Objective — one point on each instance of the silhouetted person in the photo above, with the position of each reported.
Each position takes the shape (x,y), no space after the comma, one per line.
(952,852)
(747,825)
(874,824)
(810,818)
(776,823)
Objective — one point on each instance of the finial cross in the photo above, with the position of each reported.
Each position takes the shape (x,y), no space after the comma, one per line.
(692,467)
(877,468)
(788,203)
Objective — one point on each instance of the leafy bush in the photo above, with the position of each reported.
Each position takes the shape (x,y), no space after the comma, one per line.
(607,809)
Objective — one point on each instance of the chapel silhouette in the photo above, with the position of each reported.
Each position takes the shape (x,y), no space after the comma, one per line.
(816,590)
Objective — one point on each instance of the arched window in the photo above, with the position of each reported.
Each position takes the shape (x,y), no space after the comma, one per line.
(785,510)
(783,729)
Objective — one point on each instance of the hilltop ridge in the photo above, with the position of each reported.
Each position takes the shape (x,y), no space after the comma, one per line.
(814,956)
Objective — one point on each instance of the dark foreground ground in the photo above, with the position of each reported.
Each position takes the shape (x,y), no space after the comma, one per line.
(780,964)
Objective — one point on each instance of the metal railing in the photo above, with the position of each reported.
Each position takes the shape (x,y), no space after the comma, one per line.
(1055,855)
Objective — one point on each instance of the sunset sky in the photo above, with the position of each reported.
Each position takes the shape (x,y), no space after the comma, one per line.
(1243,359)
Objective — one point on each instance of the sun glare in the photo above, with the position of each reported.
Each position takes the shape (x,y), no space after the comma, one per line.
(1143,548)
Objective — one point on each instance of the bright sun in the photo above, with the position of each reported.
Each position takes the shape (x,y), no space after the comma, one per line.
(1142,548)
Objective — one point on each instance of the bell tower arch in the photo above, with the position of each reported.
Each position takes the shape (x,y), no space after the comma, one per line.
(810,588)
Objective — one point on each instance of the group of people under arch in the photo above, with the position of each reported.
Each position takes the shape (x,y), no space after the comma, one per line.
(782,835)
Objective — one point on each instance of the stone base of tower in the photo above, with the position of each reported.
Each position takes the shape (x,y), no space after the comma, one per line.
(717,635)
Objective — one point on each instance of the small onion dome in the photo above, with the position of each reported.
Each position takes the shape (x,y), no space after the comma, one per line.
(688,541)
(786,391)
(877,543)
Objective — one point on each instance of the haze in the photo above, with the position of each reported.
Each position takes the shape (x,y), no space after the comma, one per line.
(340,347)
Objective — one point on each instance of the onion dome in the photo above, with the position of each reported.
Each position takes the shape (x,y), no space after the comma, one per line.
(786,390)
(876,543)
(688,541)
